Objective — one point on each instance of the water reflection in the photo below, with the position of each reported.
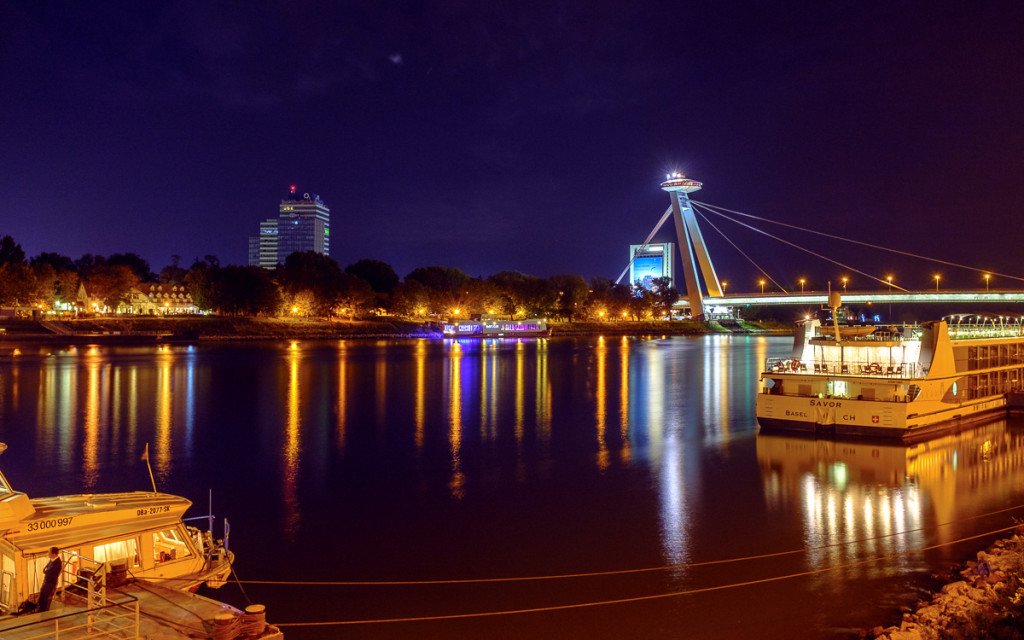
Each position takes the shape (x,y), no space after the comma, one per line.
(870,492)
(292,442)
(457,482)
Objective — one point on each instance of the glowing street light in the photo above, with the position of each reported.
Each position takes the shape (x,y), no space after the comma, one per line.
(936,283)
(987,276)
(724,285)
(801,285)
(889,278)
(844,285)
(762,287)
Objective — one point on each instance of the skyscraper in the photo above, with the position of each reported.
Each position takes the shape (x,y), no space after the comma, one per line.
(303,223)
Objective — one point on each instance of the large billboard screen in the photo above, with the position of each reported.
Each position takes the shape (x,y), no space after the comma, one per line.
(647,268)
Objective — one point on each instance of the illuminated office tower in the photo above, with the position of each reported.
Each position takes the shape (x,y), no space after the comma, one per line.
(303,223)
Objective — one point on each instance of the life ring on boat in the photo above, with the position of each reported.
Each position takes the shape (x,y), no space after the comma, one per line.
(874,367)
(794,365)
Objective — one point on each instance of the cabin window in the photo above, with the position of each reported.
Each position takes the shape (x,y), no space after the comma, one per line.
(837,388)
(120,550)
(168,545)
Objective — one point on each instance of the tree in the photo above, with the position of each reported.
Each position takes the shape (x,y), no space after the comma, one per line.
(134,262)
(243,291)
(410,298)
(355,296)
(17,284)
(572,294)
(380,275)
(112,284)
(10,251)
(446,286)
(666,294)
(607,297)
(173,272)
(316,274)
(55,260)
(525,294)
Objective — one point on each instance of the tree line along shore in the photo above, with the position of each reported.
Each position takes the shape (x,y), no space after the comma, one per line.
(129,328)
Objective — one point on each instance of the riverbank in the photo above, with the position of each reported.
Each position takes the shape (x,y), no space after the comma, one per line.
(986,602)
(153,329)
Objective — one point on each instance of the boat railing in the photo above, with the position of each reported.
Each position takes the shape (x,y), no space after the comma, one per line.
(101,617)
(843,368)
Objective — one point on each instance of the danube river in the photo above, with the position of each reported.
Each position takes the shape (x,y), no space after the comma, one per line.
(615,473)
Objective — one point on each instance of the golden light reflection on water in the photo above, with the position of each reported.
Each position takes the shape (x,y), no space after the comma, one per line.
(92,409)
(292,442)
(420,414)
(164,413)
(458,479)
(543,390)
(341,409)
(600,403)
(625,453)
(850,491)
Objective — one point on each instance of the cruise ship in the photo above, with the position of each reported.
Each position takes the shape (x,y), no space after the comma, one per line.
(909,382)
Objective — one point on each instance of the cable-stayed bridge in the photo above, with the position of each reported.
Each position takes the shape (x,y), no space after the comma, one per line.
(703,290)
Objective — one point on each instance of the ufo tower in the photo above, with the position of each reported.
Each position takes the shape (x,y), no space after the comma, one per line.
(679,188)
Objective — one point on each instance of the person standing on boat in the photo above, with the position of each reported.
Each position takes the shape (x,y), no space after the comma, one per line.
(50,574)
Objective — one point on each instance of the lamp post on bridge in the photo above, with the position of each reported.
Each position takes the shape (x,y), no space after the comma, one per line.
(844,285)
(987,276)
(762,287)
(889,278)
(936,283)
(801,285)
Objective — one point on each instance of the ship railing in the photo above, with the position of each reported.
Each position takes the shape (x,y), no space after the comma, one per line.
(845,368)
(101,617)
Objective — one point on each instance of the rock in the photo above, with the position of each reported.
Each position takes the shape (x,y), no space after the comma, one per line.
(877,631)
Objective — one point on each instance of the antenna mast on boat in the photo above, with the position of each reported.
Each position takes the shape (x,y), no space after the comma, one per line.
(145,456)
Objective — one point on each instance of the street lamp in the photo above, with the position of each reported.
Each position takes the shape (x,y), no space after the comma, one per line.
(844,285)
(724,285)
(987,276)
(936,283)
(889,278)
(762,287)
(801,285)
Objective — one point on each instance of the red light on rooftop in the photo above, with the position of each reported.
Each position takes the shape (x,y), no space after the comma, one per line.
(293,188)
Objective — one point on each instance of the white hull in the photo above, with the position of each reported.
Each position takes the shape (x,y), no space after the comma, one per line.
(911,383)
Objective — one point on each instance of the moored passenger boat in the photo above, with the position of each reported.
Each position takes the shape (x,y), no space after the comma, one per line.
(139,534)
(490,326)
(909,382)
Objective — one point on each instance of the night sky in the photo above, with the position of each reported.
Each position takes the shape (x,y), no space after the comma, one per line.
(529,136)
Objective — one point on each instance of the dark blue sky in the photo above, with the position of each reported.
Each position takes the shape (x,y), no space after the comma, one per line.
(525,135)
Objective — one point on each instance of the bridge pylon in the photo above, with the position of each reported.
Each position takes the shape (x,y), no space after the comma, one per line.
(679,188)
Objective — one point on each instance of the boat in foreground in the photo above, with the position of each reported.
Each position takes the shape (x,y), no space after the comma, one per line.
(135,534)
(909,382)
(490,326)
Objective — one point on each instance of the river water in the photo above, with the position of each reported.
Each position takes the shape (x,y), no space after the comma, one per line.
(425,461)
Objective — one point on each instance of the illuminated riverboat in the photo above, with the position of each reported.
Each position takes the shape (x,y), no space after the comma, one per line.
(132,534)
(909,382)
(493,327)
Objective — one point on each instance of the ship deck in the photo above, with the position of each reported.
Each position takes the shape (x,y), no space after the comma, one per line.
(163,614)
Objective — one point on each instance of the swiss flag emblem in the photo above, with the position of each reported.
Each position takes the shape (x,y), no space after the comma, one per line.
(874,419)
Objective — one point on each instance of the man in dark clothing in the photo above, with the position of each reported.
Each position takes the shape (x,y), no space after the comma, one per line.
(50,574)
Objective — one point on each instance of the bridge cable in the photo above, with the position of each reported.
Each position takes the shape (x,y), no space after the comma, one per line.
(796,246)
(734,246)
(594,574)
(864,244)
(658,226)
(655,596)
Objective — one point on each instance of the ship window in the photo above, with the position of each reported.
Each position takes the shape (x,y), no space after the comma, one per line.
(120,550)
(168,545)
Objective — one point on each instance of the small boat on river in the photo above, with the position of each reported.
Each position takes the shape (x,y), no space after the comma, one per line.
(135,534)
(492,326)
(910,382)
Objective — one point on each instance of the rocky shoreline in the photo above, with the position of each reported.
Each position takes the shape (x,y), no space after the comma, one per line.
(986,602)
